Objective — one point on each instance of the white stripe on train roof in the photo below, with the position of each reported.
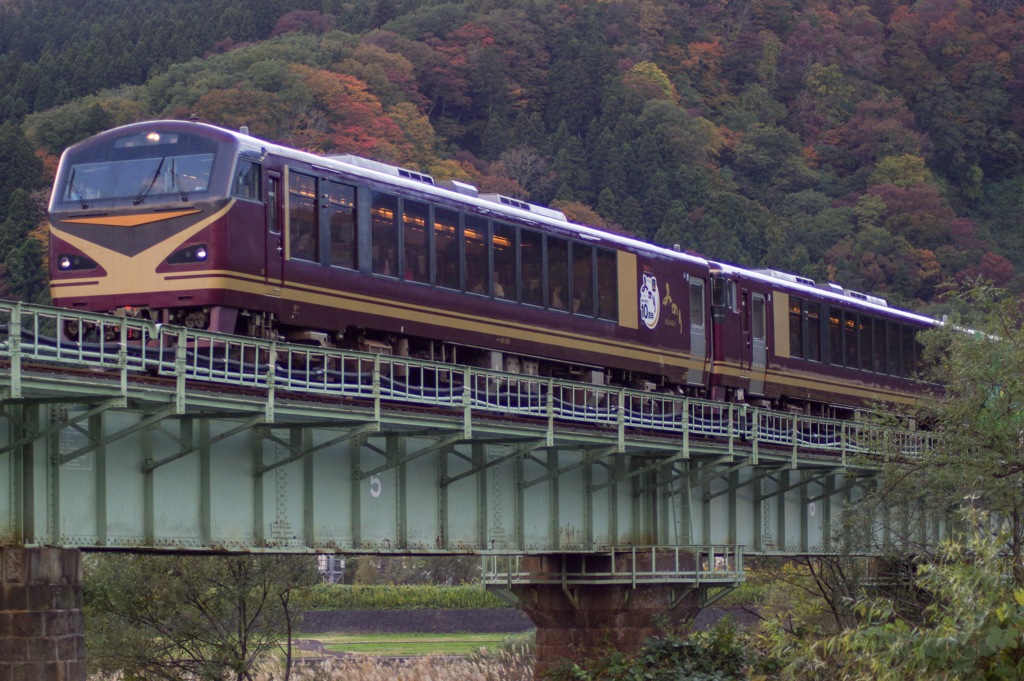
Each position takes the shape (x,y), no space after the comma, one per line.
(250,143)
(483,204)
(777,282)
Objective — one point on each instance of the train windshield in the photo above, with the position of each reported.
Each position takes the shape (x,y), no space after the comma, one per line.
(155,166)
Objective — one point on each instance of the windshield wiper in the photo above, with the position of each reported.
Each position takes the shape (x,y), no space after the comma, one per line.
(73,188)
(141,196)
(175,182)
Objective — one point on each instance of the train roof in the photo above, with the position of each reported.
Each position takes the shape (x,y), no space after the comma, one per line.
(501,206)
(830,291)
(491,204)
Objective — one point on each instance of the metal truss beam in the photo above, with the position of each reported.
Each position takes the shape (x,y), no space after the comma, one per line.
(249,462)
(148,420)
(298,451)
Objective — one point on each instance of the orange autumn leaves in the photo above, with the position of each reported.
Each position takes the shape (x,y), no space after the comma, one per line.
(326,112)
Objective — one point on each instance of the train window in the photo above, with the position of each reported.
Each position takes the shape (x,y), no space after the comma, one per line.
(909,339)
(723,293)
(558,273)
(850,340)
(384,233)
(302,226)
(139,178)
(717,292)
(608,286)
(813,344)
(879,354)
(248,180)
(475,234)
(697,302)
(273,187)
(865,342)
(446,248)
(341,216)
(835,337)
(583,279)
(758,326)
(918,351)
(796,336)
(893,348)
(504,243)
(744,307)
(415,221)
(532,261)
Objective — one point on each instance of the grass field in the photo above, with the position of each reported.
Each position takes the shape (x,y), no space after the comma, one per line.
(412,643)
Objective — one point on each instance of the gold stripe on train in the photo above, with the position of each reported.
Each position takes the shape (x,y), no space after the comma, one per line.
(817,382)
(310,295)
(146,261)
(131,220)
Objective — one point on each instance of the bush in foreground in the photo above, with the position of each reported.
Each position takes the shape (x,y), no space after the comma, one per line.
(397,597)
(718,654)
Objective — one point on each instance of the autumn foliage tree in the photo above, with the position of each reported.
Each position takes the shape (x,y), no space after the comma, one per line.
(694,122)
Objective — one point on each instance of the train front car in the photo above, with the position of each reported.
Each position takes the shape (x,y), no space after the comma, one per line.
(137,223)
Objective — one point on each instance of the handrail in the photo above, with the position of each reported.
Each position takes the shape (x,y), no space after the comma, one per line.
(698,564)
(127,345)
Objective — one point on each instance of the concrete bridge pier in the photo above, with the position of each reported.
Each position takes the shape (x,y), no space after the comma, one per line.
(42,628)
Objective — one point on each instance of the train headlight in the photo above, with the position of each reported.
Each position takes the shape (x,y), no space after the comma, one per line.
(68,262)
(195,253)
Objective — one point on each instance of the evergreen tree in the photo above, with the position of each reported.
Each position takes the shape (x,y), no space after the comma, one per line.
(528,130)
(27,279)
(19,166)
(20,219)
(570,164)
(673,229)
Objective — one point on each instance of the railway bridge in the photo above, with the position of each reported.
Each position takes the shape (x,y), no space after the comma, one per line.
(596,507)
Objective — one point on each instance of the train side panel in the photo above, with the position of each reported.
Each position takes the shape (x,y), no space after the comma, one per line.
(303,248)
(788,344)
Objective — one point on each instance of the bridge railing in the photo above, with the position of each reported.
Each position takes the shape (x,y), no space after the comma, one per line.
(128,345)
(691,565)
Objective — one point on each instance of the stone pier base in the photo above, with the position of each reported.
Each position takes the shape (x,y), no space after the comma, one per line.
(588,619)
(42,629)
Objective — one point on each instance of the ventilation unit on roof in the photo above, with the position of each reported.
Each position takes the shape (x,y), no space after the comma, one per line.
(459,187)
(785,276)
(413,175)
(383,168)
(868,299)
(523,205)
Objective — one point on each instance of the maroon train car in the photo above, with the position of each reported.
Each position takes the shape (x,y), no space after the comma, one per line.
(783,341)
(190,224)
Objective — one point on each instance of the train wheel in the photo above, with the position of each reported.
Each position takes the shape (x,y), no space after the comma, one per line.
(72,329)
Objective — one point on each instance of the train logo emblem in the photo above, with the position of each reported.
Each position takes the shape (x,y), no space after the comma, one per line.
(650,301)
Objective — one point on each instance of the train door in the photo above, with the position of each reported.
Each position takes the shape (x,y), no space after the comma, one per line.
(758,344)
(274,258)
(698,332)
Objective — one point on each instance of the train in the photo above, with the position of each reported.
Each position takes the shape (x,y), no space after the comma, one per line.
(187,223)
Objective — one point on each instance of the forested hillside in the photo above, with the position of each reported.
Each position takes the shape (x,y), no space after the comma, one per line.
(877,145)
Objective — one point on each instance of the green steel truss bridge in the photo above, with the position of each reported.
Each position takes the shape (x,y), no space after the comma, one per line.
(149,437)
